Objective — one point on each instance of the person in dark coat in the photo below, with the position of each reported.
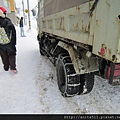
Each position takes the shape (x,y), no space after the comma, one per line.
(22,28)
(8,51)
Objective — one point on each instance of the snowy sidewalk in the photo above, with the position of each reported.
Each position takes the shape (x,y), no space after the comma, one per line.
(18,92)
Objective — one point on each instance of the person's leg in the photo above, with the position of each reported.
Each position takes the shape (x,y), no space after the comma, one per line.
(5,60)
(21,31)
(12,61)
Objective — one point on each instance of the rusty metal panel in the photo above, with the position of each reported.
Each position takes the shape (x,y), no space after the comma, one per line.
(107,30)
(83,65)
(71,23)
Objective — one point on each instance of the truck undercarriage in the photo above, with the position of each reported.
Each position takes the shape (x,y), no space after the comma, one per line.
(70,82)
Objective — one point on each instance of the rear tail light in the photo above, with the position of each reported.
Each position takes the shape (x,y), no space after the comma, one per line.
(103,51)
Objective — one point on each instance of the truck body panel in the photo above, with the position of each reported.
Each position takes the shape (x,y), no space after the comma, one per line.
(107,29)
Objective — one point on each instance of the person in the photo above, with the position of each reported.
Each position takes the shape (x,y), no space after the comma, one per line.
(22,28)
(8,51)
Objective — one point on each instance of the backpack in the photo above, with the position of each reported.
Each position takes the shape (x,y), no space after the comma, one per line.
(3,37)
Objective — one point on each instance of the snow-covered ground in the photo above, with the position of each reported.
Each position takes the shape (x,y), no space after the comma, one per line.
(34,89)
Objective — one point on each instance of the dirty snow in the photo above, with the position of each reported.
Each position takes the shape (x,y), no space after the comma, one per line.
(34,89)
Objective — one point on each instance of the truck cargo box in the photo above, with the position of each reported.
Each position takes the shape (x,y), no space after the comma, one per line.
(73,21)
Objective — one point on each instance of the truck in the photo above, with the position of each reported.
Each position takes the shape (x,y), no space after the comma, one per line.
(82,39)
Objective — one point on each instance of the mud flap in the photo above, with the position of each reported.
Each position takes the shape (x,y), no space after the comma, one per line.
(113,74)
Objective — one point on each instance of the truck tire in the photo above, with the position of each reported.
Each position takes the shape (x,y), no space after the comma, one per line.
(40,49)
(61,76)
(102,67)
(87,82)
(65,68)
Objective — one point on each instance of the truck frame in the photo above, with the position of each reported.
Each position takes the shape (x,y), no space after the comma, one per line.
(82,39)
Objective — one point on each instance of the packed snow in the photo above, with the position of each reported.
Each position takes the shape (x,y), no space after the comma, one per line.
(34,89)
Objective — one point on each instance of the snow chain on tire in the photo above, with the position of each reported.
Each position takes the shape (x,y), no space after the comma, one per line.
(68,81)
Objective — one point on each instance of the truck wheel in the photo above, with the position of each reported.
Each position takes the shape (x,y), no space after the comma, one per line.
(102,66)
(66,82)
(61,76)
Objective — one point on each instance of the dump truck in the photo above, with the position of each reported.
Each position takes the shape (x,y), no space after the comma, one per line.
(82,39)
